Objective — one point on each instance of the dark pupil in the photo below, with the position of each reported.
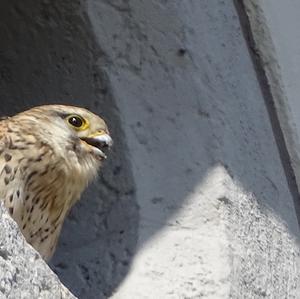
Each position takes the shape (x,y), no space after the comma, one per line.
(75,121)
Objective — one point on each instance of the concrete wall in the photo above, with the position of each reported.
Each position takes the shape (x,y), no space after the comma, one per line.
(194,201)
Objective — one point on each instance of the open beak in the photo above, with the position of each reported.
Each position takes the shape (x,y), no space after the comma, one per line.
(100,142)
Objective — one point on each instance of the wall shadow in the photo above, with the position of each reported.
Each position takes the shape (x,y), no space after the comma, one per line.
(47,55)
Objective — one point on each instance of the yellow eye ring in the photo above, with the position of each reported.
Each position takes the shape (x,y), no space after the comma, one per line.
(77,122)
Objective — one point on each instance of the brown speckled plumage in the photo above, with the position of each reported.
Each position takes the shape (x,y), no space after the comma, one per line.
(46,161)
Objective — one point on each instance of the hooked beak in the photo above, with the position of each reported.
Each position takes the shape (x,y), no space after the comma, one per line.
(100,142)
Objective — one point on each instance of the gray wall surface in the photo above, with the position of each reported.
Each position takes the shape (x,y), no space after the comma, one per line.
(274,25)
(193,201)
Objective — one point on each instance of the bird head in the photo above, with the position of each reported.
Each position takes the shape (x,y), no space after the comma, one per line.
(78,131)
(89,130)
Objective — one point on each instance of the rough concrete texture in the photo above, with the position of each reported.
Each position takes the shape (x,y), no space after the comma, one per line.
(216,218)
(23,273)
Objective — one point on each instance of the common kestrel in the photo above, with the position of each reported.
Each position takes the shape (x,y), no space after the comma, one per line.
(48,155)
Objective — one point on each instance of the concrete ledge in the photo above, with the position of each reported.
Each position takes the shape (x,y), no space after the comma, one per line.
(23,272)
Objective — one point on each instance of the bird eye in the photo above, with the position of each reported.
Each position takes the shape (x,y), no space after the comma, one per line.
(76,121)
